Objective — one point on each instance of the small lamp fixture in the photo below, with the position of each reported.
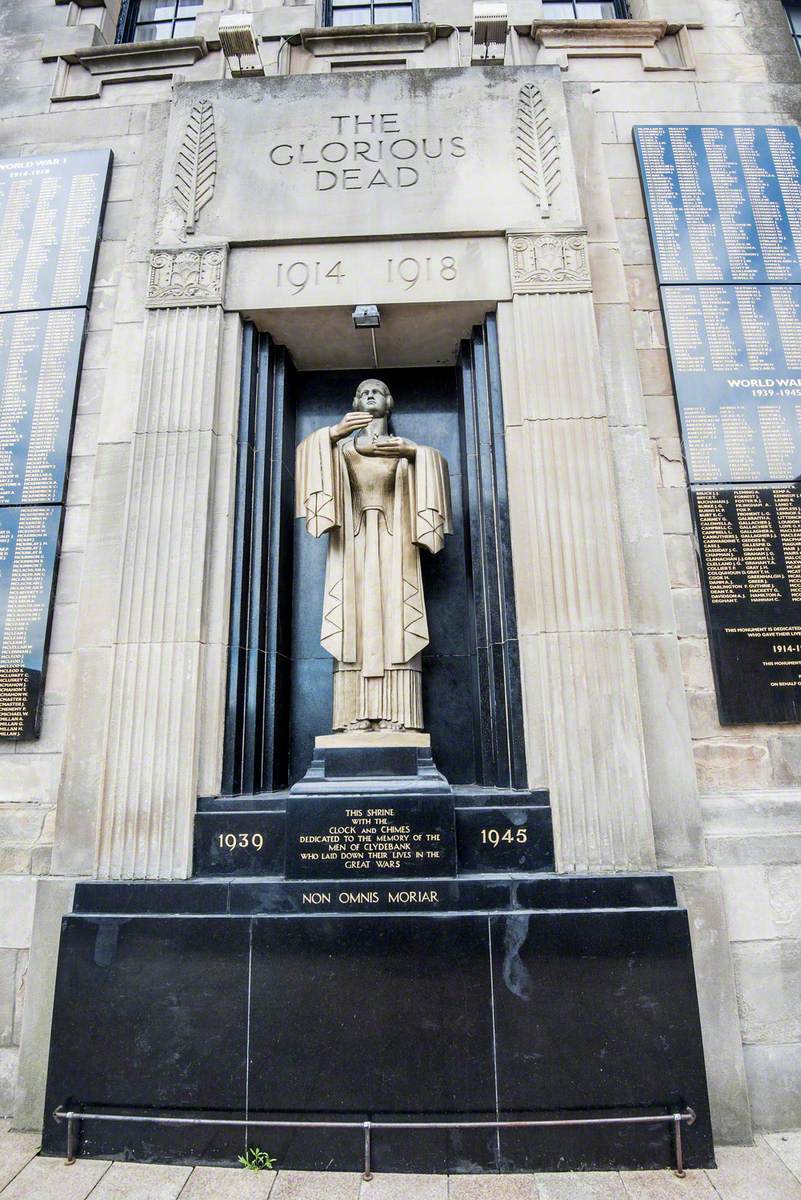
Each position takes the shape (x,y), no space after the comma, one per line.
(239,45)
(490,30)
(366,316)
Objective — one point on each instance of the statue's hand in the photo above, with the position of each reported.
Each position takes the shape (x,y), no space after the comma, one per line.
(349,424)
(394,447)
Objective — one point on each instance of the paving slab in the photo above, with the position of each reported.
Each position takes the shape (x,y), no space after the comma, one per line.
(405,1187)
(16,1151)
(493,1187)
(664,1185)
(788,1148)
(751,1174)
(51,1179)
(316,1185)
(141,1181)
(581,1185)
(228,1183)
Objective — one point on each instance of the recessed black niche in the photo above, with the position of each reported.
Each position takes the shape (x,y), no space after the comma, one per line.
(279,678)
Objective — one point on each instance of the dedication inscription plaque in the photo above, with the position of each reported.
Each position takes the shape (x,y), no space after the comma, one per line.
(341,838)
(750,547)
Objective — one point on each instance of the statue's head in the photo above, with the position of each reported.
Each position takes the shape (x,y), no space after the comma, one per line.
(373,397)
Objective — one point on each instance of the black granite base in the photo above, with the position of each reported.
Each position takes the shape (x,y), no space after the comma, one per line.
(495,831)
(506,998)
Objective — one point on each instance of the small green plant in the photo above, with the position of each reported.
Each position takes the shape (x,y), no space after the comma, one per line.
(255,1159)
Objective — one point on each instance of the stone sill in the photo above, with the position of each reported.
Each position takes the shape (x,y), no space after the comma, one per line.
(365,39)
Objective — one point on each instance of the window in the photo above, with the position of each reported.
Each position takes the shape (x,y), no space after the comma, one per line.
(584,10)
(374,12)
(794,17)
(151,20)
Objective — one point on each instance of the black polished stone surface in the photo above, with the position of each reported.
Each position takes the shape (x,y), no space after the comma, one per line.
(619,982)
(371,770)
(246,897)
(441,1014)
(150,1014)
(351,838)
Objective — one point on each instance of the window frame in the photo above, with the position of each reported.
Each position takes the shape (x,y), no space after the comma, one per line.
(796,36)
(129,22)
(622,11)
(329,7)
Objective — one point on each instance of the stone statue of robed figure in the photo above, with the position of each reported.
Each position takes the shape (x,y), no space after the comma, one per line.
(379,498)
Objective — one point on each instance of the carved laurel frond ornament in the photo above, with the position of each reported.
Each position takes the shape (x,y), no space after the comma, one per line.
(537,147)
(196,168)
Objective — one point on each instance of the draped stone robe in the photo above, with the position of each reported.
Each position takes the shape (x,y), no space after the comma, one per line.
(377,512)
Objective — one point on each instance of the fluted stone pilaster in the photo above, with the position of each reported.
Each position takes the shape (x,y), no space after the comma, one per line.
(149,785)
(572,601)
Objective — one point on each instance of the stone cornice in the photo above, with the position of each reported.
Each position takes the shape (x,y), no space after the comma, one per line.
(599,33)
(141,56)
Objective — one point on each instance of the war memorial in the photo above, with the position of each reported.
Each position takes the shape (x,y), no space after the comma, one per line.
(400,582)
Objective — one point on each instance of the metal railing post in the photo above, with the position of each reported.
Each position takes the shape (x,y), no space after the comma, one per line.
(73,1131)
(368,1166)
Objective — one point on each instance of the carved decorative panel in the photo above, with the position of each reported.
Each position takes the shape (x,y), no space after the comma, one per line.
(182,278)
(549,262)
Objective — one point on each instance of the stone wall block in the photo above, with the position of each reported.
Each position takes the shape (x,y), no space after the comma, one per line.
(163,567)
(595,752)
(559,363)
(145,829)
(578,566)
(180,372)
(700,892)
(678,828)
(573,612)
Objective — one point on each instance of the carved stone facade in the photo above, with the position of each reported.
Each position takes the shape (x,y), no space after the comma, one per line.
(536,169)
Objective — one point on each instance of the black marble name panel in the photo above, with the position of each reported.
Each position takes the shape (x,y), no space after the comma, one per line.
(40,359)
(28,547)
(723,201)
(350,838)
(736,358)
(750,549)
(50,214)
